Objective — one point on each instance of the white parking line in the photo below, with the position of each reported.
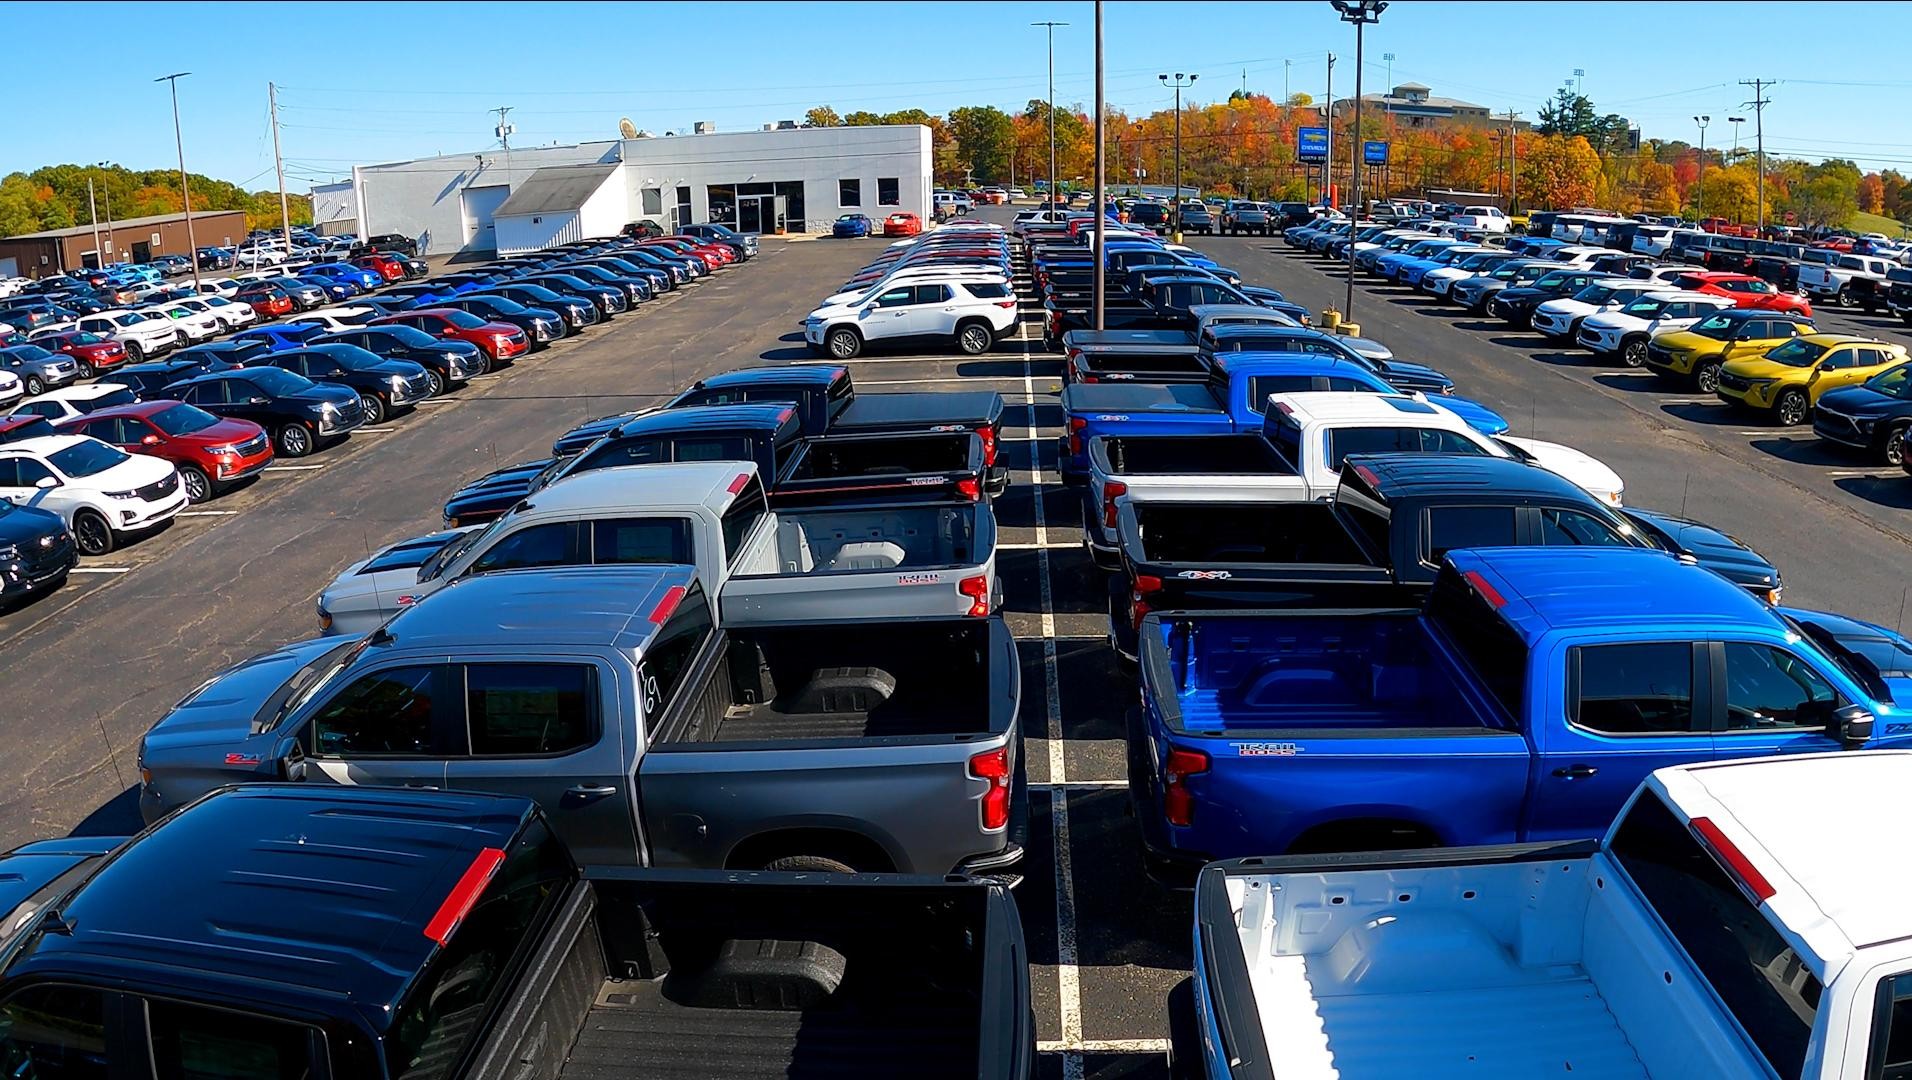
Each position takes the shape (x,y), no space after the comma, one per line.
(210,513)
(1034,547)
(1867,473)
(964,379)
(1101,1046)
(292,468)
(1083,784)
(373,430)
(99,570)
(1762,431)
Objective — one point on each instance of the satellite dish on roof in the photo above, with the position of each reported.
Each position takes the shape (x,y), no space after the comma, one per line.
(626,128)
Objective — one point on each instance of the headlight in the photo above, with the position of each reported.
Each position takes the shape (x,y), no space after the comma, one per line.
(120,494)
(398,384)
(222,451)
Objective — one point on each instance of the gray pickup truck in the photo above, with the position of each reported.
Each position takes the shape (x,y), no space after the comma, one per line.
(835,562)
(649,734)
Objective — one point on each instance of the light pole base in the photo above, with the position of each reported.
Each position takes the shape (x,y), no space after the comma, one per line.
(1176,236)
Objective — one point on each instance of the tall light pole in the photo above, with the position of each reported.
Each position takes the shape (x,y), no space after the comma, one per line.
(1051,25)
(1389,57)
(107,194)
(93,211)
(1579,80)
(1100,219)
(1175,200)
(1736,121)
(185,193)
(1360,13)
(1700,204)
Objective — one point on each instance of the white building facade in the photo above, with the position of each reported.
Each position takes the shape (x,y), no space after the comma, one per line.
(794,180)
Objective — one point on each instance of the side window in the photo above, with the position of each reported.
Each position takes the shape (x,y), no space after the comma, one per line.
(667,661)
(31,471)
(1261,387)
(1633,689)
(743,516)
(1568,528)
(1453,527)
(932,294)
(192,1042)
(54,1033)
(1867,358)
(1368,440)
(624,452)
(526,709)
(540,545)
(9,472)
(387,713)
(1891,1056)
(728,448)
(986,290)
(896,298)
(1769,688)
(297,365)
(642,540)
(1344,385)
(1438,441)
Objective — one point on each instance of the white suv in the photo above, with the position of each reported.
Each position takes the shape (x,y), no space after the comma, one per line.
(1628,330)
(973,314)
(1560,318)
(71,402)
(197,326)
(102,492)
(142,335)
(230,313)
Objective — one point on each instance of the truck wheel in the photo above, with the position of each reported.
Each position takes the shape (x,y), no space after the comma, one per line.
(1707,378)
(1844,298)
(844,343)
(1184,1044)
(1892,451)
(974,339)
(815,864)
(1790,409)
(134,354)
(1633,353)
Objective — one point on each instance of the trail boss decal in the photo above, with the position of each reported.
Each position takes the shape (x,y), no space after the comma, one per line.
(925,481)
(1266,749)
(918,579)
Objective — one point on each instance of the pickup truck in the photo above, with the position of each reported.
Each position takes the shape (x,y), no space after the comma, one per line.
(1232,399)
(1523,702)
(285,930)
(827,402)
(833,468)
(1162,305)
(1711,932)
(650,734)
(1148,356)
(848,562)
(1837,280)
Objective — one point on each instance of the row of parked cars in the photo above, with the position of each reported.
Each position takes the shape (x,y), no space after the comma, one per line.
(86,465)
(1725,333)
(661,668)
(1398,673)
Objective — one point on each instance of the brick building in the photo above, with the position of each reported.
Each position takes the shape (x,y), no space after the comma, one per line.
(134,240)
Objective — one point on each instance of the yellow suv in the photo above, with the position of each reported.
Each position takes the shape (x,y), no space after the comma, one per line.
(1789,379)
(1694,354)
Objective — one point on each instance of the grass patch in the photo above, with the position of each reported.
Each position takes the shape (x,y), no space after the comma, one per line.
(1863,222)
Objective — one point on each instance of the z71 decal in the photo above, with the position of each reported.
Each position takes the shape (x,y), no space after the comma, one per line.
(1266,749)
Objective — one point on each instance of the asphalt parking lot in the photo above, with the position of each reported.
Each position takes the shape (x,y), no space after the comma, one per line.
(90,667)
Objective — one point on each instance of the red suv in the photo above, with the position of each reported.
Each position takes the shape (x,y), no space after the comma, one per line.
(94,353)
(498,341)
(268,301)
(385,266)
(212,453)
(1745,291)
(711,255)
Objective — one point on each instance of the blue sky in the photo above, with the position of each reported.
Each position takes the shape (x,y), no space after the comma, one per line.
(364,82)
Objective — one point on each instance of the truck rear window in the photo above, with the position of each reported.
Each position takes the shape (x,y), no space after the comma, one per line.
(1755,972)
(1490,647)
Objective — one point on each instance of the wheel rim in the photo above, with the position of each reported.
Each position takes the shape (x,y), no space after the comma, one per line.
(86,370)
(35,386)
(1708,378)
(1792,409)
(842,345)
(374,408)
(1895,447)
(197,487)
(1635,354)
(91,534)
(295,440)
(974,340)
(434,383)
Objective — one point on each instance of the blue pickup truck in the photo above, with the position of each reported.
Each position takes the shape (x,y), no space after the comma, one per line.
(1231,400)
(1523,702)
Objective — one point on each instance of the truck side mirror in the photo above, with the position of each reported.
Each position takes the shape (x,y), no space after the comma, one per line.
(1854,725)
(292,763)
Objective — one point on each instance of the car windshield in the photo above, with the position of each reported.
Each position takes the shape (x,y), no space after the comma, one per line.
(436,563)
(131,318)
(1508,272)
(1594,294)
(501,306)
(87,458)
(82,337)
(278,382)
(1895,383)
(1717,327)
(1797,353)
(27,354)
(464,320)
(183,419)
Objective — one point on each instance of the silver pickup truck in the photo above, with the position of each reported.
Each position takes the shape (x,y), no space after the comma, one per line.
(837,562)
(649,734)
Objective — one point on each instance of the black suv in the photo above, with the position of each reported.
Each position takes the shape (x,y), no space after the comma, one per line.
(297,411)
(446,362)
(36,551)
(151,379)
(540,325)
(397,243)
(1152,214)
(383,386)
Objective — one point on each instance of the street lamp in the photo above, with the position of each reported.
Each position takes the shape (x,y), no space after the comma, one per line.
(1736,121)
(185,194)
(1051,25)
(1360,13)
(1175,200)
(1700,204)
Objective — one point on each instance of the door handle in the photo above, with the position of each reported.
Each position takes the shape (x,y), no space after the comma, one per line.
(590,791)
(1575,772)
(425,787)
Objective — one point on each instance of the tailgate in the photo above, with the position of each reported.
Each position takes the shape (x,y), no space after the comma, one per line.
(874,414)
(916,467)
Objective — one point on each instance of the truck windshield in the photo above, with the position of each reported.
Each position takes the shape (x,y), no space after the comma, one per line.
(1757,975)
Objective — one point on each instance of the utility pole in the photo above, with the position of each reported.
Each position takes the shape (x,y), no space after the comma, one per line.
(1700,203)
(285,215)
(1360,13)
(185,194)
(1759,103)
(504,130)
(1286,66)
(1389,57)
(1101,313)
(1051,26)
(1513,163)
(93,211)
(1175,200)
(1327,164)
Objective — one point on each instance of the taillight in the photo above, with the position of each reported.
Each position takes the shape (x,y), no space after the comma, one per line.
(1076,424)
(977,589)
(1006,303)
(988,435)
(1110,492)
(1146,585)
(970,488)
(993,766)
(1177,804)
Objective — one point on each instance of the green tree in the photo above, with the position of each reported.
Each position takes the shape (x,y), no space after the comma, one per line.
(822,116)
(1825,199)
(861,118)
(984,137)
(1300,99)
(1568,114)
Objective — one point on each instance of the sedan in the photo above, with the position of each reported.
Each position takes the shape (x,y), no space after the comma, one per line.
(297,411)
(498,341)
(383,386)
(902,223)
(211,454)
(541,325)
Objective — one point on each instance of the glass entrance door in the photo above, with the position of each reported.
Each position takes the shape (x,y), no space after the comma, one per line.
(750,216)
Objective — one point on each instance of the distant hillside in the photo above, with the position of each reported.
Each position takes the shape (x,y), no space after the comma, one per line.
(54,197)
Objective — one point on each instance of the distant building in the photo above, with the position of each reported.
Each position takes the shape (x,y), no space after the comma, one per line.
(1413,105)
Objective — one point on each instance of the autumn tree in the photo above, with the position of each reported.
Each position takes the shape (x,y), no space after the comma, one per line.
(1659,190)
(822,116)
(1825,199)
(1559,171)
(1871,193)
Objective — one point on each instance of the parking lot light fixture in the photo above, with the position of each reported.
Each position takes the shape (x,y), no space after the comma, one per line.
(1180,82)
(1360,13)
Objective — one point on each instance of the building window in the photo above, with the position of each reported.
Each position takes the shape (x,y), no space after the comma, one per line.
(888,191)
(684,214)
(849,193)
(723,204)
(653,201)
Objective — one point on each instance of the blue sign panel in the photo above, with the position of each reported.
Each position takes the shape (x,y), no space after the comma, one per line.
(1374,152)
(1311,144)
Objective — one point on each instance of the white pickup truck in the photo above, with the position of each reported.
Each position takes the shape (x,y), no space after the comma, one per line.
(1715,932)
(829,564)
(1834,281)
(1485,218)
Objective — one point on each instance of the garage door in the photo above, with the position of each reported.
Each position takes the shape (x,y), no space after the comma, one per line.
(481,204)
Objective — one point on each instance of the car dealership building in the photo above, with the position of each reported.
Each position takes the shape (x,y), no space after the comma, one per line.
(788,179)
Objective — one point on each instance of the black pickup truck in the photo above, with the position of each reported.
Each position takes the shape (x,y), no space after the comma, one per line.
(299,931)
(1150,356)
(919,465)
(1163,304)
